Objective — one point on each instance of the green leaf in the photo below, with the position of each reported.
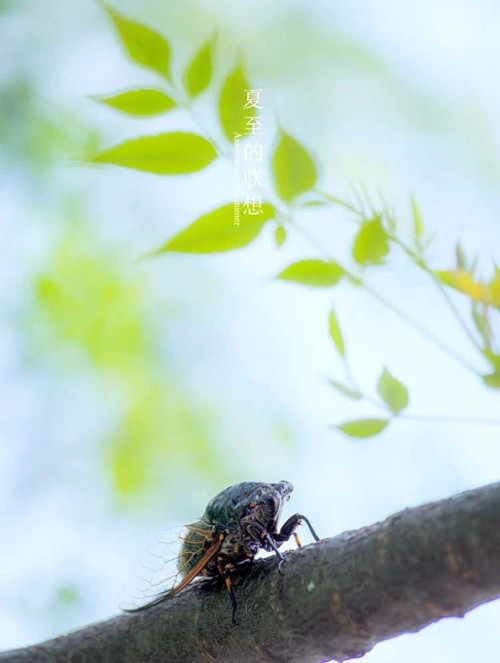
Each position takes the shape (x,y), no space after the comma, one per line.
(144,46)
(493,359)
(216,231)
(279,235)
(482,325)
(232,100)
(346,391)
(293,168)
(336,334)
(492,380)
(464,281)
(371,244)
(494,289)
(460,257)
(199,72)
(418,224)
(313,272)
(140,103)
(166,154)
(363,427)
(393,392)
(315,203)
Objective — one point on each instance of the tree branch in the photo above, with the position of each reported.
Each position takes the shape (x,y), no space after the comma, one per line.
(337,599)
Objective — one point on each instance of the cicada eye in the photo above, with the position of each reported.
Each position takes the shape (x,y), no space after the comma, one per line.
(249,508)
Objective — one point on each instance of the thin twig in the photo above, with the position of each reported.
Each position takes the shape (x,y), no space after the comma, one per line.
(410,320)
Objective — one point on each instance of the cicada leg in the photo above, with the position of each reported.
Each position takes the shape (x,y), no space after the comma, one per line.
(224,573)
(288,529)
(268,541)
(272,544)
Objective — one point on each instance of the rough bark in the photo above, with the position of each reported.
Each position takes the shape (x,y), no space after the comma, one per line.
(337,599)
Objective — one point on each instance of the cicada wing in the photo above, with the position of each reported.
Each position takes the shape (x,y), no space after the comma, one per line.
(195,570)
(172,559)
(198,568)
(156,569)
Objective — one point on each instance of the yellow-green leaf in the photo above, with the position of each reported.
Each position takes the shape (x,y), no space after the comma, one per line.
(199,72)
(233,97)
(494,290)
(144,45)
(418,225)
(216,231)
(355,394)
(293,168)
(493,358)
(482,324)
(315,203)
(463,281)
(361,428)
(166,154)
(279,235)
(492,380)
(460,257)
(371,244)
(140,102)
(393,392)
(336,334)
(313,272)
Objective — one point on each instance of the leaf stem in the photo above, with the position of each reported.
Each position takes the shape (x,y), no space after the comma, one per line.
(184,103)
(421,329)
(402,315)
(454,310)
(338,201)
(476,421)
(456,313)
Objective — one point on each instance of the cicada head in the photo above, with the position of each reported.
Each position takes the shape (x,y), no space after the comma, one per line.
(244,511)
(265,504)
(284,488)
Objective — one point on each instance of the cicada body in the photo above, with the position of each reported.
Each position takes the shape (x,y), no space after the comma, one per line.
(237,523)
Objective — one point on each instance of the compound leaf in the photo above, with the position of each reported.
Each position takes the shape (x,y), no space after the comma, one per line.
(313,272)
(418,224)
(165,154)
(199,72)
(293,168)
(361,428)
(393,392)
(217,231)
(141,102)
(371,243)
(279,235)
(233,98)
(336,334)
(492,380)
(144,45)
(345,391)
(464,281)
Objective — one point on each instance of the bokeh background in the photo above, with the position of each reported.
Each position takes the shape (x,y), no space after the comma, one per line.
(132,391)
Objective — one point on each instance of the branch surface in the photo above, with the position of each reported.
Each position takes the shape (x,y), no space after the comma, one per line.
(337,599)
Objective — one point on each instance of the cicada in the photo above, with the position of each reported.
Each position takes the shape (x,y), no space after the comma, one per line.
(237,523)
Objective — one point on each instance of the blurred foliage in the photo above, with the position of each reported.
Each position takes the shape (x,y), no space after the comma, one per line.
(87,300)
(293,169)
(36,138)
(295,185)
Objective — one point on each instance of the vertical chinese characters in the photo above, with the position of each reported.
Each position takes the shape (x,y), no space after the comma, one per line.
(252,177)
